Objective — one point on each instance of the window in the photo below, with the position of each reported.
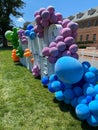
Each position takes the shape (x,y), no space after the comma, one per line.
(87,37)
(81,37)
(95,22)
(89,23)
(94,37)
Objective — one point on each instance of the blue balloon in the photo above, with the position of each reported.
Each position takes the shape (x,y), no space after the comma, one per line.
(69,70)
(89,99)
(96,97)
(69,94)
(27,32)
(93,69)
(45,80)
(96,88)
(67,101)
(90,77)
(59,95)
(78,91)
(80,99)
(74,102)
(53,77)
(86,66)
(93,120)
(50,88)
(32,35)
(82,111)
(29,27)
(56,85)
(93,107)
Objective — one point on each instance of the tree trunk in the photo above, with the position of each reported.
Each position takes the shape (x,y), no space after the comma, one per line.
(4,42)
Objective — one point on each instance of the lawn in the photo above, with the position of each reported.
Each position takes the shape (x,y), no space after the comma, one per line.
(25,104)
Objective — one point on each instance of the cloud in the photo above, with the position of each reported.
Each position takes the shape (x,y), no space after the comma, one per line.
(20,20)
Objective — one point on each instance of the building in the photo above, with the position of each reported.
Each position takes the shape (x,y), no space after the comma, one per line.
(88,27)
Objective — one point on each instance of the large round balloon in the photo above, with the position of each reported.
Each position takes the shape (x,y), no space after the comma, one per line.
(8,35)
(69,70)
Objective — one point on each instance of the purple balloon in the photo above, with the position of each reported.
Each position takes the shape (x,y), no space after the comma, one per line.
(44,23)
(24,41)
(52,59)
(53,19)
(38,19)
(52,44)
(51,9)
(40,28)
(36,13)
(40,34)
(53,51)
(59,16)
(65,22)
(66,32)
(75,55)
(73,26)
(45,15)
(73,48)
(59,38)
(41,10)
(66,53)
(69,41)
(45,51)
(61,46)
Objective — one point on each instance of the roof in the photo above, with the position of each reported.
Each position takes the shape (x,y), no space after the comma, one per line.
(90,13)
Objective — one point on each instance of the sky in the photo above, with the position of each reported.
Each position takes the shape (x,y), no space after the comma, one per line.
(65,7)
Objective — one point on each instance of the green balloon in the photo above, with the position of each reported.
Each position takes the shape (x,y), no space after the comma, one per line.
(8,35)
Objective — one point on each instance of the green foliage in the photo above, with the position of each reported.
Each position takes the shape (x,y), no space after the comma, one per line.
(26,105)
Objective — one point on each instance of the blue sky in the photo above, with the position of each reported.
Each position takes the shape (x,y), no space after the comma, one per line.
(65,7)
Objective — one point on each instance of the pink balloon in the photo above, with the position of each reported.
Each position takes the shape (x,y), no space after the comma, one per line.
(61,46)
(52,44)
(45,23)
(40,28)
(51,9)
(73,48)
(41,10)
(65,22)
(24,41)
(59,16)
(45,51)
(40,34)
(59,38)
(36,28)
(38,19)
(73,26)
(69,41)
(53,19)
(53,51)
(36,13)
(45,15)
(66,32)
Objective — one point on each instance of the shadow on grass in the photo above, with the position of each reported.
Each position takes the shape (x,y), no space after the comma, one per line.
(68,108)
(6,48)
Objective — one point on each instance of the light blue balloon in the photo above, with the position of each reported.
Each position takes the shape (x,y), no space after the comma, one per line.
(69,70)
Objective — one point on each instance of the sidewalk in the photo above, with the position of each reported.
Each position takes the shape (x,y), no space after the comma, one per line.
(89,55)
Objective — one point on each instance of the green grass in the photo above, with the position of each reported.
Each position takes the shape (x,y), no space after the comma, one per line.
(26,105)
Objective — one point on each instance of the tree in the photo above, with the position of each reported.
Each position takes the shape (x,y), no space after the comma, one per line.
(7,8)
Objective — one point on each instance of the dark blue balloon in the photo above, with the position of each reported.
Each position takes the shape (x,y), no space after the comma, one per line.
(45,80)
(53,77)
(29,26)
(27,32)
(93,120)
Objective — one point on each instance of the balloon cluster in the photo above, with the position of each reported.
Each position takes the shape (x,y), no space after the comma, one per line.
(76,84)
(64,44)
(13,37)
(29,32)
(45,17)
(27,53)
(14,56)
(22,37)
(36,71)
